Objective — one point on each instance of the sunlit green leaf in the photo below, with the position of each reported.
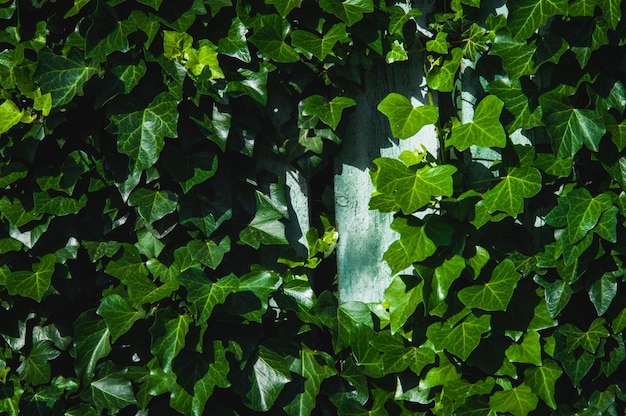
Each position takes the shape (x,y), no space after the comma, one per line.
(265,229)
(461,339)
(32,284)
(496,293)
(285,6)
(528,351)
(35,368)
(404,295)
(441,77)
(270,37)
(484,130)
(526,17)
(350,11)
(405,119)
(153,205)
(414,245)
(322,46)
(570,128)
(10,115)
(204,294)
(509,194)
(518,401)
(517,55)
(112,392)
(542,381)
(269,375)
(168,335)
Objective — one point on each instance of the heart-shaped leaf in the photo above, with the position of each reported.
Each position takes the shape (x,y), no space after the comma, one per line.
(406,120)
(484,130)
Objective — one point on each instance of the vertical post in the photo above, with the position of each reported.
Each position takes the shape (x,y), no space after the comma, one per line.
(365,235)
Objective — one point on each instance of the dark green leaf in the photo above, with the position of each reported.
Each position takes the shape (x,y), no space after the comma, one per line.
(63,77)
(461,339)
(404,294)
(542,380)
(517,55)
(118,315)
(517,102)
(35,368)
(111,392)
(350,11)
(570,128)
(603,291)
(270,37)
(265,229)
(235,44)
(443,277)
(526,17)
(405,119)
(91,343)
(320,47)
(495,294)
(269,374)
(328,112)
(285,6)
(168,335)
(153,205)
(484,130)
(558,294)
(204,294)
(414,245)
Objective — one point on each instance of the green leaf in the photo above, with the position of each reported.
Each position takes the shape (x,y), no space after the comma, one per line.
(484,130)
(153,205)
(91,343)
(517,102)
(350,11)
(611,11)
(570,128)
(509,194)
(581,211)
(558,294)
(265,229)
(208,252)
(412,189)
(107,33)
(404,294)
(328,112)
(517,55)
(10,115)
(518,401)
(542,380)
(118,315)
(603,291)
(525,17)
(204,294)
(269,36)
(62,77)
(35,368)
(443,277)
(397,357)
(404,119)
(397,53)
(588,340)
(268,376)
(129,266)
(314,367)
(441,77)
(235,44)
(461,339)
(285,6)
(168,335)
(32,284)
(112,392)
(495,294)
(529,351)
(141,133)
(414,245)
(58,205)
(439,44)
(320,47)
(619,322)
(400,16)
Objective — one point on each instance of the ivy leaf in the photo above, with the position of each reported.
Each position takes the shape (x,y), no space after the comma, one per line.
(32,284)
(581,213)
(517,102)
(519,401)
(112,392)
(322,46)
(589,340)
(285,6)
(526,17)
(328,112)
(118,315)
(399,17)
(62,77)
(412,189)
(439,44)
(265,229)
(517,55)
(495,294)
(509,194)
(141,133)
(542,380)
(168,335)
(204,294)
(441,77)
(235,44)
(603,291)
(153,205)
(35,368)
(107,33)
(268,376)
(91,343)
(414,245)
(397,357)
(10,115)
(443,277)
(484,130)
(209,253)
(570,128)
(404,119)
(557,295)
(461,339)
(611,11)
(529,351)
(314,367)
(404,294)
(269,36)
(350,11)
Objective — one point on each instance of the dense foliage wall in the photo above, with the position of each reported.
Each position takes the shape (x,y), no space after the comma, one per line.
(144,263)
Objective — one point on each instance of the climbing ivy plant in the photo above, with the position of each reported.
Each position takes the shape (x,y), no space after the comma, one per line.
(149,262)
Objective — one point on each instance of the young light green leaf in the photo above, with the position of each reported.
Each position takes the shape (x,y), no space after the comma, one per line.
(412,189)
(484,130)
(328,112)
(439,44)
(265,229)
(91,343)
(32,284)
(404,119)
(519,401)
(461,339)
(509,194)
(517,102)
(118,315)
(141,133)
(270,37)
(62,77)
(10,115)
(441,76)
(204,294)
(153,205)
(542,380)
(168,335)
(525,17)
(350,11)
(443,277)
(495,294)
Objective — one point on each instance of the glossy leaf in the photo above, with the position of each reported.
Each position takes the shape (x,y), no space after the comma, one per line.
(528,351)
(509,194)
(10,115)
(517,55)
(570,128)
(542,380)
(327,111)
(526,17)
(320,47)
(141,133)
(460,339)
(35,368)
(265,229)
(518,401)
(484,130)
(204,294)
(285,6)
(414,245)
(168,335)
(153,205)
(118,315)
(112,392)
(350,11)
(404,294)
(91,343)
(496,293)
(269,375)
(32,284)
(603,291)
(270,37)
(405,119)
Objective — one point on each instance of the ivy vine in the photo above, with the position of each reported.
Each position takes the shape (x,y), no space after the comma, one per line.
(148,261)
